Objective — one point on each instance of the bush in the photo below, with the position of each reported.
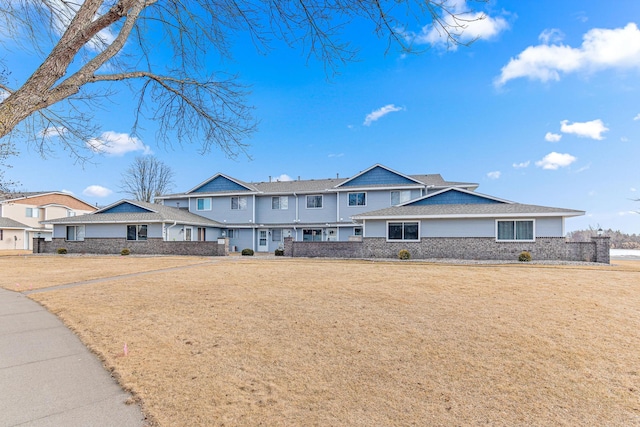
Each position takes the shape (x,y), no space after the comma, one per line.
(279,252)
(125,251)
(404,254)
(61,251)
(247,252)
(524,256)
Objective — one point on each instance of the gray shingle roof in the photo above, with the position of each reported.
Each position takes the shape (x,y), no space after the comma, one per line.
(10,223)
(23,194)
(158,213)
(467,210)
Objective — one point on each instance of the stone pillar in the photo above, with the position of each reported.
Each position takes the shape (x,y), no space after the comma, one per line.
(288,246)
(602,249)
(223,246)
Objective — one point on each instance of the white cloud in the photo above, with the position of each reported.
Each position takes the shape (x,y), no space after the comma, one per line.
(624,139)
(53,131)
(282,178)
(117,144)
(521,165)
(476,25)
(336,155)
(552,137)
(592,129)
(494,174)
(3,95)
(379,113)
(96,191)
(584,168)
(632,189)
(637,117)
(601,49)
(553,161)
(552,35)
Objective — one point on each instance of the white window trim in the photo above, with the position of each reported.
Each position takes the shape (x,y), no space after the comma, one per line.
(137,239)
(357,192)
(280,200)
(204,198)
(515,220)
(400,201)
(239,208)
(314,195)
(79,235)
(403,222)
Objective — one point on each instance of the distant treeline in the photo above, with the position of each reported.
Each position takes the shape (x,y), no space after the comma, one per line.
(619,240)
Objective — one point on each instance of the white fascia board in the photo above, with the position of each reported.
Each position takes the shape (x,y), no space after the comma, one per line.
(383,167)
(452,216)
(374,188)
(216,176)
(461,190)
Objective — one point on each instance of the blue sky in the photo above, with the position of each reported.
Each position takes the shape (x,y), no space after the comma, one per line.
(542,109)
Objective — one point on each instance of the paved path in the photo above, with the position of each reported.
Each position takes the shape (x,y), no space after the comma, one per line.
(49,378)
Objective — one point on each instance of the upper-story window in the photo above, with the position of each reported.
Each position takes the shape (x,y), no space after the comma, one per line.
(357,199)
(280,202)
(314,202)
(203,204)
(401,196)
(71,213)
(238,203)
(33,213)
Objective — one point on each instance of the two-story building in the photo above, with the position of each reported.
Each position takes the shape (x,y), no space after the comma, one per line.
(21,215)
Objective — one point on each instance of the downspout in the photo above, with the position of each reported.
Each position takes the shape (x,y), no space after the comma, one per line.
(296,220)
(166,237)
(253,240)
(338,216)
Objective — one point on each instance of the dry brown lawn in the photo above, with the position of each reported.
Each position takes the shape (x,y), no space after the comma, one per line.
(282,342)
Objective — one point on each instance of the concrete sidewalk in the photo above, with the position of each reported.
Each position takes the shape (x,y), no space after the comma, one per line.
(49,378)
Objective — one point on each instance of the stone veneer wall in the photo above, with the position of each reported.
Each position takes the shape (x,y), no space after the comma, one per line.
(147,247)
(544,248)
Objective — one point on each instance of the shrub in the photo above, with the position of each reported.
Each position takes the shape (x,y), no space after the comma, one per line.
(61,251)
(279,252)
(404,254)
(125,251)
(247,252)
(524,256)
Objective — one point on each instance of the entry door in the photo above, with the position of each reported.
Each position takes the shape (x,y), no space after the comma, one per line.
(262,241)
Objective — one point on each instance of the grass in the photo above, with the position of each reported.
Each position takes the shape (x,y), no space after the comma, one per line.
(316,342)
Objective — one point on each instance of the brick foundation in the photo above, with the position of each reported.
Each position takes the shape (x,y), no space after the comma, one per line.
(147,247)
(544,248)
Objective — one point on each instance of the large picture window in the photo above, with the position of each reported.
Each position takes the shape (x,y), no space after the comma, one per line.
(280,202)
(136,232)
(238,203)
(398,197)
(312,235)
(514,230)
(203,204)
(403,230)
(357,199)
(75,233)
(314,202)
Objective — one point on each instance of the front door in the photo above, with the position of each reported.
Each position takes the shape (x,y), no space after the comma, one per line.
(263,245)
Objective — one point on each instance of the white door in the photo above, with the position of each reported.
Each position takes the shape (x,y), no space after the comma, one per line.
(263,243)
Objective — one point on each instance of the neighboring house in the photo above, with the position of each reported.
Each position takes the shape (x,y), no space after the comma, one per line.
(372,214)
(143,228)
(21,214)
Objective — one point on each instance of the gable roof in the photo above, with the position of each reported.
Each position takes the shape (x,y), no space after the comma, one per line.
(379,175)
(8,223)
(453,196)
(220,183)
(48,198)
(494,210)
(133,211)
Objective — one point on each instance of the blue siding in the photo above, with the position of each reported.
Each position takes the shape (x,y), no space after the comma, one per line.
(219,183)
(378,176)
(453,197)
(125,208)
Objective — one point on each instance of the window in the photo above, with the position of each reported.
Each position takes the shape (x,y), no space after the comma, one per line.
(403,231)
(203,204)
(70,213)
(398,197)
(136,232)
(357,231)
(357,199)
(233,234)
(276,235)
(33,212)
(312,235)
(238,203)
(280,202)
(75,233)
(314,202)
(515,230)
